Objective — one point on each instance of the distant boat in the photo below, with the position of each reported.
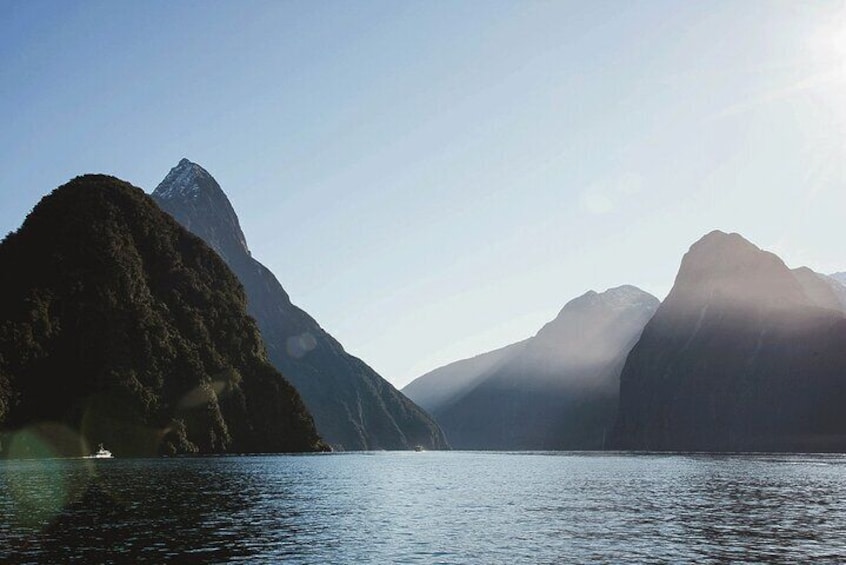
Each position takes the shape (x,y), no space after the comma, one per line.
(102,453)
(418,448)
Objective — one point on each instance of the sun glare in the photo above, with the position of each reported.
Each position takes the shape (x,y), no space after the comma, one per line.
(828,41)
(838,44)
(828,59)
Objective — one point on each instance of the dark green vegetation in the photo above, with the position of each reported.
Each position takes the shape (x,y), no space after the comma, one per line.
(117,326)
(556,390)
(354,408)
(743,355)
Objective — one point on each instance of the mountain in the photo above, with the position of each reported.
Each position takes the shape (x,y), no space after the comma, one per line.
(839,277)
(837,282)
(556,390)
(744,354)
(823,290)
(444,385)
(353,407)
(118,326)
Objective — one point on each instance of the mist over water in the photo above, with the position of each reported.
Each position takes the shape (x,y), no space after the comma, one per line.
(427,507)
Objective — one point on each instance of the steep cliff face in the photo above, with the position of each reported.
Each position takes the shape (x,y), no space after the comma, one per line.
(354,408)
(556,390)
(120,327)
(744,354)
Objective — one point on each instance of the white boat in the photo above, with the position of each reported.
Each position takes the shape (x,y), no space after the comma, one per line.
(102,453)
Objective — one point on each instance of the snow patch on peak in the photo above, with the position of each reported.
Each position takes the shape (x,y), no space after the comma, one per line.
(182,181)
(619,302)
(628,296)
(617,298)
(192,196)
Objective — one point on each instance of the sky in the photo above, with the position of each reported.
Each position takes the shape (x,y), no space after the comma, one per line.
(431,180)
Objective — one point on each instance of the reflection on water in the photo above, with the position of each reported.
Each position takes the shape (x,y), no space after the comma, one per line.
(426,507)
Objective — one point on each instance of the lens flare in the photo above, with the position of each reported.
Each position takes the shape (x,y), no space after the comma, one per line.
(38,492)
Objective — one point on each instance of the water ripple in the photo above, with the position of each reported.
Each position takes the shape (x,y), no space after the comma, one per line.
(427,508)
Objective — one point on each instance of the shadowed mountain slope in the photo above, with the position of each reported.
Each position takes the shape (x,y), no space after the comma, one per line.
(353,407)
(556,390)
(744,354)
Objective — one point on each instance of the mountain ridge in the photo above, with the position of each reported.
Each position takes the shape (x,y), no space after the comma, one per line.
(555,390)
(353,407)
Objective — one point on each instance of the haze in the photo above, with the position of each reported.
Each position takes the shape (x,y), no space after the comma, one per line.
(433,180)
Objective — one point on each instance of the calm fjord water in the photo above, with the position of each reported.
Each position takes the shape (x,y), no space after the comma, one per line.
(432,507)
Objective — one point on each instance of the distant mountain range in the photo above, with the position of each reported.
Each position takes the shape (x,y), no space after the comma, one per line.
(354,408)
(744,354)
(117,326)
(556,390)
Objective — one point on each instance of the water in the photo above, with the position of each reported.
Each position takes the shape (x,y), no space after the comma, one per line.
(426,508)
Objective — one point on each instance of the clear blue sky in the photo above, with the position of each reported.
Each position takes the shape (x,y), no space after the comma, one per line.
(431,180)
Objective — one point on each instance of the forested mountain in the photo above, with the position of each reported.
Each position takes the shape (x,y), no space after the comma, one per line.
(354,408)
(118,326)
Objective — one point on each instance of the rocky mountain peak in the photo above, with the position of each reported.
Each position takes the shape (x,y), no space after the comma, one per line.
(194,198)
(627,296)
(185,180)
(613,299)
(728,268)
(726,253)
(595,313)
